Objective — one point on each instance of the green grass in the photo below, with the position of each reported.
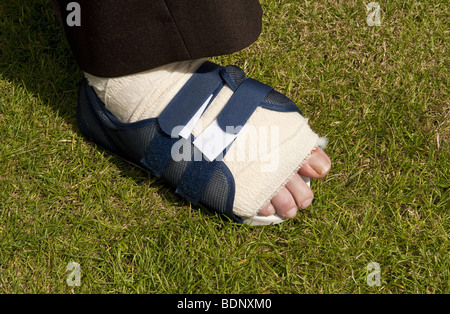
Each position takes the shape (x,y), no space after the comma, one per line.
(380,94)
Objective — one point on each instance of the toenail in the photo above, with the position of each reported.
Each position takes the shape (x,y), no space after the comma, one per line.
(306,203)
(320,164)
(271,210)
(291,213)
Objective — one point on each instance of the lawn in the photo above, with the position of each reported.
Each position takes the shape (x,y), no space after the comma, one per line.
(380,95)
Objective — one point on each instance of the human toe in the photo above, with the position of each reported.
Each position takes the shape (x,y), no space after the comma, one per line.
(300,191)
(284,204)
(317,166)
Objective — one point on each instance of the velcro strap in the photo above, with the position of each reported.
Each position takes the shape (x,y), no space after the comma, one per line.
(203,83)
(242,104)
(159,153)
(195,179)
(231,120)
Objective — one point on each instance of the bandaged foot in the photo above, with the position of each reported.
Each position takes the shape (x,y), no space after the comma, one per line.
(268,153)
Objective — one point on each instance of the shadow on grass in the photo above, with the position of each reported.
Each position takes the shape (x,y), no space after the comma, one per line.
(35,55)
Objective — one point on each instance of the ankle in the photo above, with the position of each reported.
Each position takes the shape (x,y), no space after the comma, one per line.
(143,95)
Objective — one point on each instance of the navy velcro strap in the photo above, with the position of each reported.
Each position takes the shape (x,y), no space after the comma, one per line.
(242,104)
(158,155)
(203,83)
(195,179)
